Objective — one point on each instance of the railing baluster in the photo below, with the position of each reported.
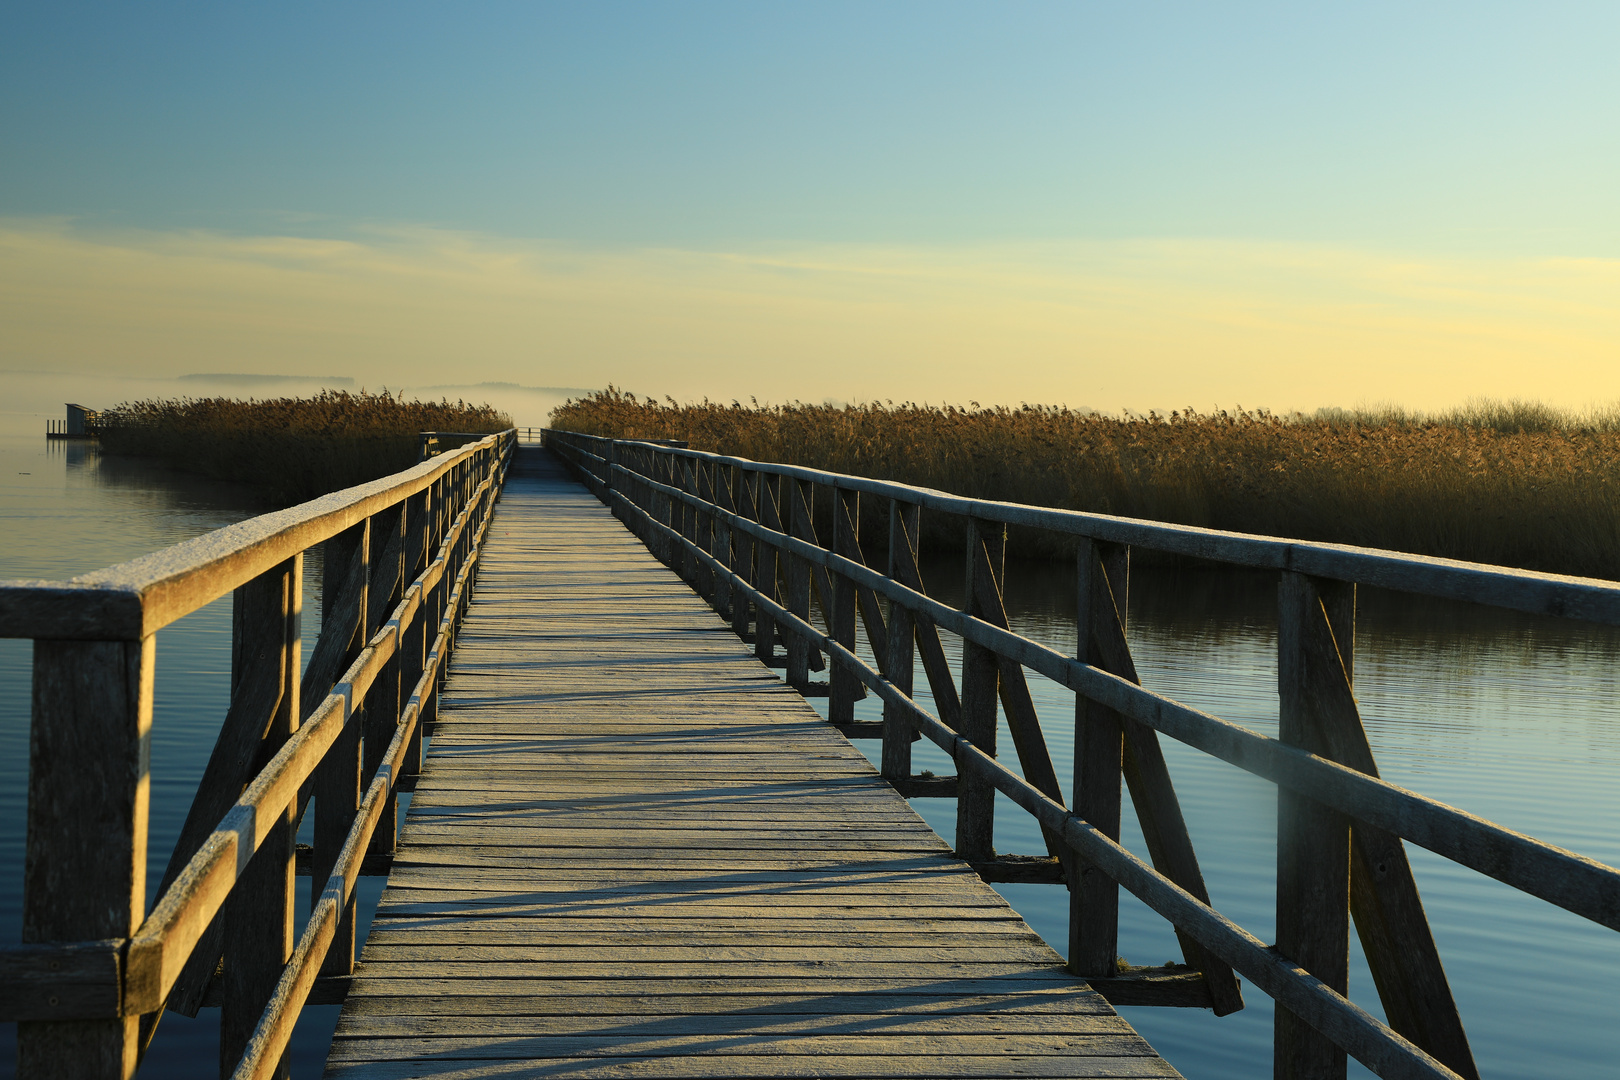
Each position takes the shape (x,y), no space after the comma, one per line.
(975,795)
(259,914)
(84,874)
(897,728)
(844,689)
(720,477)
(337,784)
(1102,576)
(1313,841)
(383,700)
(767,501)
(798,584)
(418,636)
(742,548)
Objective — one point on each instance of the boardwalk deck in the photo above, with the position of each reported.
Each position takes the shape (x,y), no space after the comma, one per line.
(635,852)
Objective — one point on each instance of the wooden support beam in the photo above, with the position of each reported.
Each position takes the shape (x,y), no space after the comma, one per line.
(1384,899)
(1021,870)
(845,688)
(84,870)
(1313,841)
(940,682)
(898,731)
(381,714)
(1158,810)
(258,916)
(975,800)
(1099,747)
(766,512)
(922,786)
(1034,759)
(739,500)
(1173,986)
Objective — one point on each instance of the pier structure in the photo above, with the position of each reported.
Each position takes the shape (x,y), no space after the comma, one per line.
(632,849)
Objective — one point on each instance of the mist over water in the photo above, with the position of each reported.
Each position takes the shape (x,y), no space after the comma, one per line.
(1512,717)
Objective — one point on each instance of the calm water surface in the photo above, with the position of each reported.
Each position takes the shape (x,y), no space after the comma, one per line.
(1511,717)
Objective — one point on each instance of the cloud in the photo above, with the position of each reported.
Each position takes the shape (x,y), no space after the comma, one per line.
(1143,323)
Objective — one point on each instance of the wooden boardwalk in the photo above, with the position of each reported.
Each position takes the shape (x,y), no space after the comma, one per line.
(635,852)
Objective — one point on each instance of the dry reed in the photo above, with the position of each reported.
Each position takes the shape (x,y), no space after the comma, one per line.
(290,449)
(1516,484)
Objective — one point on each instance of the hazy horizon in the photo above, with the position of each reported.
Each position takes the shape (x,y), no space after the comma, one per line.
(1143,207)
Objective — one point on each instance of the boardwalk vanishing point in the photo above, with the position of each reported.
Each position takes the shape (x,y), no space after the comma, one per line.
(633,851)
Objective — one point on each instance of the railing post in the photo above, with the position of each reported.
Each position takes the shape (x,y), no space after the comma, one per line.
(766,503)
(383,699)
(84,875)
(844,688)
(725,542)
(981,675)
(1102,573)
(337,779)
(742,548)
(704,580)
(259,913)
(798,581)
(418,637)
(897,728)
(1313,842)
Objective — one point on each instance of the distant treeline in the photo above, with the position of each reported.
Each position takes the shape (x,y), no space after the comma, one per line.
(1511,483)
(291,449)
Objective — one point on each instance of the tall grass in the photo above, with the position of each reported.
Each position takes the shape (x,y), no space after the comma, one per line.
(291,449)
(1513,483)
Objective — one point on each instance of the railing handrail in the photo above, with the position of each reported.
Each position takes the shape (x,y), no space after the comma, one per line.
(130,600)
(709,524)
(410,542)
(1533,591)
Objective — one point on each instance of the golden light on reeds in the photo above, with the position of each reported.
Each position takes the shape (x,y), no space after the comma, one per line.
(1510,483)
(289,448)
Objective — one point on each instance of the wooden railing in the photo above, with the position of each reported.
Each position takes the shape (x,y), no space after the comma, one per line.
(744,534)
(97,970)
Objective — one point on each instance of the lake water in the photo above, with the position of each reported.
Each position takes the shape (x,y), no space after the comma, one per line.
(1512,717)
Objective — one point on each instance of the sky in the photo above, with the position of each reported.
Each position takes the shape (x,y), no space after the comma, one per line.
(1113,206)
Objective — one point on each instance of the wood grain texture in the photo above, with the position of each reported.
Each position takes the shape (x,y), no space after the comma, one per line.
(633,851)
(84,875)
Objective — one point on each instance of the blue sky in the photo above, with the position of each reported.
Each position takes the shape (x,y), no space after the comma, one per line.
(1474,145)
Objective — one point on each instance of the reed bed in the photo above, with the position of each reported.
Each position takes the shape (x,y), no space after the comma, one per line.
(1515,483)
(290,449)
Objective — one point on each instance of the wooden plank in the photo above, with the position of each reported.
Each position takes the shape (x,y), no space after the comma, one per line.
(84,872)
(62,981)
(364,1024)
(764,1067)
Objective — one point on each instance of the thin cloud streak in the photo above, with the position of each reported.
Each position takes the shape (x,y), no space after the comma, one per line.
(1109,324)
